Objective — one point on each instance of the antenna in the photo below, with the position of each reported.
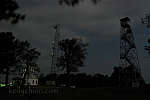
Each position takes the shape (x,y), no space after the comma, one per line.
(55,48)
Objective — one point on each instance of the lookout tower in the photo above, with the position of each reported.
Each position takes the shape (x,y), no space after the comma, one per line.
(130,76)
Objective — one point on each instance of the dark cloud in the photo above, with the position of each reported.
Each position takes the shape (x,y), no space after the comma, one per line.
(73,3)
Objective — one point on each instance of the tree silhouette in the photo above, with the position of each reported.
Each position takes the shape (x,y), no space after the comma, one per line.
(7,57)
(75,2)
(79,80)
(74,53)
(115,76)
(8,11)
(14,52)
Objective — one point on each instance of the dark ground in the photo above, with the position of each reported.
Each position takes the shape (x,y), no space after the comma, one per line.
(92,93)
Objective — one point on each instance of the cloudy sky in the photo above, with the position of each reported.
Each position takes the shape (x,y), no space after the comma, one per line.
(96,24)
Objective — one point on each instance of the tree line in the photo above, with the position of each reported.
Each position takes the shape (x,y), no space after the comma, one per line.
(84,80)
(78,80)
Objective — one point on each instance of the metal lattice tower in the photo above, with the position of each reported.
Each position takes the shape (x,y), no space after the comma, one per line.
(128,55)
(55,48)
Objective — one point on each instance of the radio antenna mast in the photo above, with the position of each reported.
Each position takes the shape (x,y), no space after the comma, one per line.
(55,48)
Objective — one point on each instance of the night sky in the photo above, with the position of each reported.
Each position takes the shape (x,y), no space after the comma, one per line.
(96,24)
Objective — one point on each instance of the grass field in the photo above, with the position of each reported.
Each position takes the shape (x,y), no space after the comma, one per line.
(94,94)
